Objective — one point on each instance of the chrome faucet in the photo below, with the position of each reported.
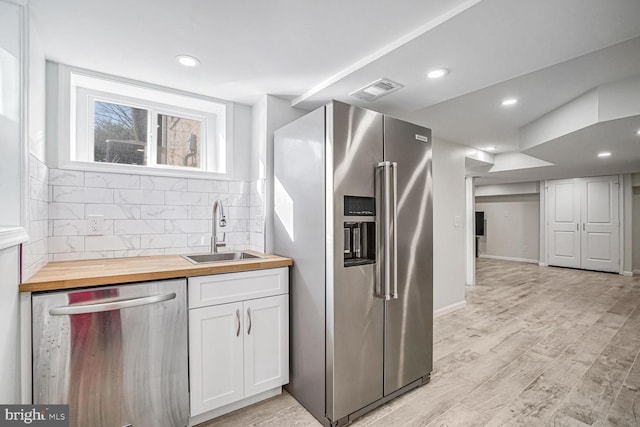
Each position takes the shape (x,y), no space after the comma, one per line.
(215,244)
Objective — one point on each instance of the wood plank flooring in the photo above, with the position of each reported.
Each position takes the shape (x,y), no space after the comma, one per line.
(535,346)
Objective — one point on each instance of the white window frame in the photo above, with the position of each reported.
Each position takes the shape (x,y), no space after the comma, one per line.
(77,91)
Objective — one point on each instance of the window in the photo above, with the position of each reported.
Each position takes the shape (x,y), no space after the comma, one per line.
(120,125)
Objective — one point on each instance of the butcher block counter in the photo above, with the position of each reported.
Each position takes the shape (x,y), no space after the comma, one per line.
(113,271)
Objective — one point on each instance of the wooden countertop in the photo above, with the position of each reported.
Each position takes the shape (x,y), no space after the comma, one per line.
(111,271)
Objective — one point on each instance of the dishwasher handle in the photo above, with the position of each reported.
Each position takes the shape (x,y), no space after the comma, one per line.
(110,305)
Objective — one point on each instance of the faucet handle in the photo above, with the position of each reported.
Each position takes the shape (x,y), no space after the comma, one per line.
(222,243)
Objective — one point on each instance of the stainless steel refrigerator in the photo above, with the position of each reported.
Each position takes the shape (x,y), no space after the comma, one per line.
(353,208)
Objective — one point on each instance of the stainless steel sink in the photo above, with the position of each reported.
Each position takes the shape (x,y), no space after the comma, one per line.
(219,257)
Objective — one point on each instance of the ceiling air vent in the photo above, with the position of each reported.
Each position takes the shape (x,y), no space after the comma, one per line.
(377,89)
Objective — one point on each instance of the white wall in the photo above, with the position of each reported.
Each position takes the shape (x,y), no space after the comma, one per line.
(512,227)
(9,327)
(448,239)
(11,153)
(35,252)
(10,114)
(530,187)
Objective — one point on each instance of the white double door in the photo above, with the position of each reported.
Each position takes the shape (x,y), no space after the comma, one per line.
(583,225)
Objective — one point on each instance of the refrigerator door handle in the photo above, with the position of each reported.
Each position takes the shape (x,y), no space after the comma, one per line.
(386,229)
(394,230)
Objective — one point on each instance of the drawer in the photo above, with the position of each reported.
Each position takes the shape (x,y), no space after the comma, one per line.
(230,287)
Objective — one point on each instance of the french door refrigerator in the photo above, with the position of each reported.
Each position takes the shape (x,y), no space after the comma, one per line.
(353,208)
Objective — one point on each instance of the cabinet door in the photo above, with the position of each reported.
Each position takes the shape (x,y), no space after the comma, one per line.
(266,344)
(215,356)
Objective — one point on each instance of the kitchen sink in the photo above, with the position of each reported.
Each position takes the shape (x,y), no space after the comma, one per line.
(219,257)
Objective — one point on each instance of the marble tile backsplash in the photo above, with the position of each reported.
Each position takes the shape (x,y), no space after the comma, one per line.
(35,251)
(147,215)
(257,215)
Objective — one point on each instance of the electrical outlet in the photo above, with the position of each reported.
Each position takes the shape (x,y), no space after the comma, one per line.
(96,224)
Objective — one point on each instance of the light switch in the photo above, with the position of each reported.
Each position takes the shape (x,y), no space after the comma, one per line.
(457,221)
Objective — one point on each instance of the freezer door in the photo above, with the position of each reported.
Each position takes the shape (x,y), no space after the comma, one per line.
(409,317)
(354,338)
(116,355)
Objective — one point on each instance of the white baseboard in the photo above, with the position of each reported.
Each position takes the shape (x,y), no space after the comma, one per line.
(506,258)
(449,309)
(627,273)
(542,264)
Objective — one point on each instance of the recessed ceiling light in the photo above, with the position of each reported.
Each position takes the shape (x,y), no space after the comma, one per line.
(509,101)
(437,73)
(638,132)
(490,149)
(188,60)
(604,154)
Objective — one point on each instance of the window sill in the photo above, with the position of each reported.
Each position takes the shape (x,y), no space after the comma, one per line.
(143,170)
(12,236)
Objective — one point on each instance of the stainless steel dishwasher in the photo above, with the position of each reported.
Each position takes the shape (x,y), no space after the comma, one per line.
(117,355)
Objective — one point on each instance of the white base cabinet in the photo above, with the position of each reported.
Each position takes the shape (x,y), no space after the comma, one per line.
(266,344)
(215,357)
(237,350)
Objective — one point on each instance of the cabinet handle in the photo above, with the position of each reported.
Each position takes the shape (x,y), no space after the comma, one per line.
(249,314)
(238,319)
(583,227)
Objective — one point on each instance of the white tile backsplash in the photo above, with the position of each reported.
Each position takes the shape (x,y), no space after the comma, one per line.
(35,252)
(113,211)
(66,211)
(66,177)
(38,210)
(143,197)
(59,244)
(208,186)
(69,227)
(186,198)
(164,212)
(111,243)
(137,252)
(172,226)
(200,212)
(143,215)
(139,226)
(111,180)
(163,183)
(65,194)
(73,256)
(163,241)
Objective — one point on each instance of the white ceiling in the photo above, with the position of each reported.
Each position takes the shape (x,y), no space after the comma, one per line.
(544,52)
(247,48)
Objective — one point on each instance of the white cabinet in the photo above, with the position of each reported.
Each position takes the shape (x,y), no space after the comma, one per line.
(238,339)
(215,356)
(266,349)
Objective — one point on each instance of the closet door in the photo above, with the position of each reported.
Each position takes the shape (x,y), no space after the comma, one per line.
(600,224)
(563,214)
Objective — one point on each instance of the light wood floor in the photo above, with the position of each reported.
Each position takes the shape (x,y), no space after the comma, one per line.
(534,346)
